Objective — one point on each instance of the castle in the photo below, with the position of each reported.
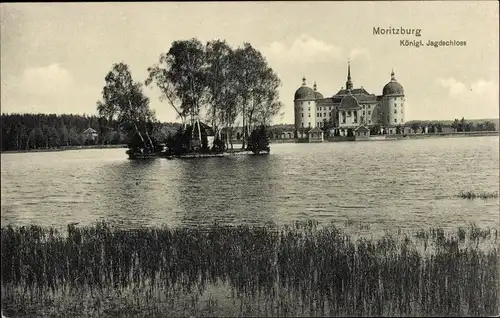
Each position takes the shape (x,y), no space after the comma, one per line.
(351,110)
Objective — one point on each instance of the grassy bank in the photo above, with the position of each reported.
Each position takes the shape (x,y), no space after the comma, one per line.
(291,271)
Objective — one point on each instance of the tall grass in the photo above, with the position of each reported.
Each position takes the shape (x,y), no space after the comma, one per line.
(295,270)
(480,195)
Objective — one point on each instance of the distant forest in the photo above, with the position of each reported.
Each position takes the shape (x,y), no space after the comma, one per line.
(34,131)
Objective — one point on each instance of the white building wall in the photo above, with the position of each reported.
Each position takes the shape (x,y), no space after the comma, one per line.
(298,115)
(350,120)
(394,110)
(324,113)
(402,113)
(305,114)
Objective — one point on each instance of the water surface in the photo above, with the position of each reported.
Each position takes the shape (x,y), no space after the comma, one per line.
(403,184)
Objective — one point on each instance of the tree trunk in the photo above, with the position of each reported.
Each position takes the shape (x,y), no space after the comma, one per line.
(244,131)
(139,133)
(230,138)
(199,130)
(28,141)
(150,141)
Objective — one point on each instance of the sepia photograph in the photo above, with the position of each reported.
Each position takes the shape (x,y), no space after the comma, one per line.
(250,159)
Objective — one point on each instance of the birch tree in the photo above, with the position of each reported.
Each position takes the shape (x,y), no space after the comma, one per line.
(181,76)
(219,81)
(124,101)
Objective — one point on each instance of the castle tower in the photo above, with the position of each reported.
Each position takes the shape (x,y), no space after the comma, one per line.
(348,83)
(393,103)
(304,107)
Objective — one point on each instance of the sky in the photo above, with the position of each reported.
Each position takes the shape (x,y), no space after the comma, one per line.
(54,56)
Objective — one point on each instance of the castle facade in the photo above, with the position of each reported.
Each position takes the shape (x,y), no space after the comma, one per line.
(351,110)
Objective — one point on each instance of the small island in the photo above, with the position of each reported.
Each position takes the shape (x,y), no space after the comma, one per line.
(211,83)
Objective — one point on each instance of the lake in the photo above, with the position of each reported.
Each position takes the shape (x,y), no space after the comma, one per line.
(405,184)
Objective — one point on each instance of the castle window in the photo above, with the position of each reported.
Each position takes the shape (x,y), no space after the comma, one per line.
(369,112)
(302,115)
(309,108)
(329,107)
(369,121)
(363,106)
(309,115)
(395,111)
(363,112)
(395,120)
(309,103)
(302,125)
(324,114)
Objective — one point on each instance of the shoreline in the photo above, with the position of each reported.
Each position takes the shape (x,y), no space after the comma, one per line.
(64,148)
(386,137)
(285,140)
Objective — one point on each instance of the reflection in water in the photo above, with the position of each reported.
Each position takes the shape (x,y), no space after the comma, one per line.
(390,184)
(227,190)
(129,194)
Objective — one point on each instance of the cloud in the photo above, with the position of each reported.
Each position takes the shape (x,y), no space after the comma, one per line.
(479,88)
(484,87)
(48,88)
(45,80)
(478,99)
(356,53)
(455,88)
(304,49)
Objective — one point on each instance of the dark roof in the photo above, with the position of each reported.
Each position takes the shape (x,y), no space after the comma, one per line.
(205,130)
(362,127)
(361,95)
(393,88)
(366,98)
(349,102)
(305,93)
(354,91)
(315,129)
(324,102)
(318,95)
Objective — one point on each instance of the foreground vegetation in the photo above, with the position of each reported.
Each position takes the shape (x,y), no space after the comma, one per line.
(479,195)
(220,270)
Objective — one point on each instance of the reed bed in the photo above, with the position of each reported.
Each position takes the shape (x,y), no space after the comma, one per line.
(470,195)
(295,270)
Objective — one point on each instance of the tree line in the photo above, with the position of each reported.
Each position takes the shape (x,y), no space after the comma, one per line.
(35,131)
(461,125)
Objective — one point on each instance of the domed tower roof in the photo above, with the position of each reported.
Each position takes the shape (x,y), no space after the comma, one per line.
(317,94)
(349,102)
(304,92)
(393,87)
